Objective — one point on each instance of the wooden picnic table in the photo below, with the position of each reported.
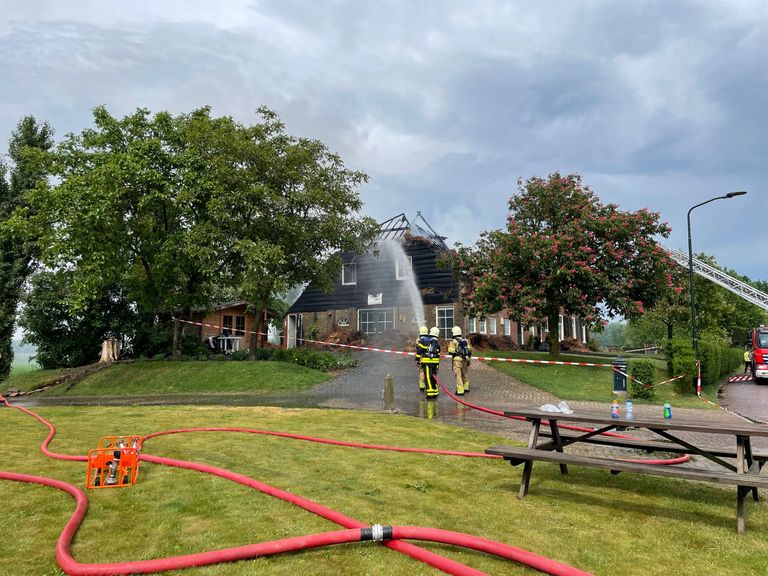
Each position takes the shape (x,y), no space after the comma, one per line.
(743,469)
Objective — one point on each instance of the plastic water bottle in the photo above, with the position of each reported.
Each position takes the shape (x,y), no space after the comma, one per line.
(615,409)
(628,410)
(667,409)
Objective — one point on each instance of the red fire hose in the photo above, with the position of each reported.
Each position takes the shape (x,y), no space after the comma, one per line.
(390,536)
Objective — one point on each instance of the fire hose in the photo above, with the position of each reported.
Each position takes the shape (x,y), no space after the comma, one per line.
(390,536)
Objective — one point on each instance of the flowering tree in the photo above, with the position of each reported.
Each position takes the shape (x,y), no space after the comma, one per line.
(564,252)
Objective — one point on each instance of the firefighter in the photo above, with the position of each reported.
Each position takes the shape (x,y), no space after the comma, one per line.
(422,345)
(747,359)
(430,362)
(461,352)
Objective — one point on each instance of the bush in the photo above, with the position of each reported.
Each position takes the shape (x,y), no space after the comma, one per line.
(683,362)
(315,359)
(644,371)
(239,355)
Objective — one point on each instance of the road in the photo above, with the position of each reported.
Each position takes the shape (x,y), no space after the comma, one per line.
(747,399)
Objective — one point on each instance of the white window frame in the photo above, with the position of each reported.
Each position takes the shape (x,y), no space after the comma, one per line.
(471,325)
(403,272)
(561,328)
(344,267)
(376,322)
(492,326)
(445,331)
(482,326)
(507,326)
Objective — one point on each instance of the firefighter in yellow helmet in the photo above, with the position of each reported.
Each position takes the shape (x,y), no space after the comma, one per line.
(430,361)
(461,352)
(422,344)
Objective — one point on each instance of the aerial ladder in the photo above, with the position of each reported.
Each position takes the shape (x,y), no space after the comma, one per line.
(749,293)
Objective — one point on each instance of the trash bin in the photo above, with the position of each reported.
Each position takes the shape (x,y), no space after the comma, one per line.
(619,378)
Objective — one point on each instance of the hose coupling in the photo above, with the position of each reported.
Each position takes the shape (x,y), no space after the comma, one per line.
(377,533)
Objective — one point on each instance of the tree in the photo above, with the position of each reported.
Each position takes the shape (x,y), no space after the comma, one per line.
(293,208)
(18,251)
(186,210)
(68,338)
(672,309)
(564,252)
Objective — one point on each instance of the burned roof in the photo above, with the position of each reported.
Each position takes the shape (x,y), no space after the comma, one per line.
(400,227)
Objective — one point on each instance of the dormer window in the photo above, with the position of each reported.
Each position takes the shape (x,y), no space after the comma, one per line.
(348,274)
(403,267)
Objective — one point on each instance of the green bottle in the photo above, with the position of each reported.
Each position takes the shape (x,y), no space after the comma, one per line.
(667,409)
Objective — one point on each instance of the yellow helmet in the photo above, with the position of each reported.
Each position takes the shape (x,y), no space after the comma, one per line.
(435,331)
(423,331)
(456,331)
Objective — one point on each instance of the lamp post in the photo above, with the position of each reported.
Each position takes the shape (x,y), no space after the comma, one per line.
(690,264)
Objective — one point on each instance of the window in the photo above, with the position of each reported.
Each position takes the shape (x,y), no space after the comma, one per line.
(348,274)
(471,325)
(507,327)
(482,328)
(445,321)
(491,325)
(403,267)
(239,325)
(376,321)
(227,324)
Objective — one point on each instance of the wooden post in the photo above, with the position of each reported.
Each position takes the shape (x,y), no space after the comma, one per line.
(389,393)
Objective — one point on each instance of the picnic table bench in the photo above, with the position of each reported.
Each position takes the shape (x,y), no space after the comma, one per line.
(744,474)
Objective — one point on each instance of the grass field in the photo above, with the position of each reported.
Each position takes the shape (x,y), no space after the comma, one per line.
(604,524)
(589,383)
(160,377)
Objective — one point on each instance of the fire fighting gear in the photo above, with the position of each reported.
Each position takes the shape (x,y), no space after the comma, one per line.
(434,331)
(461,352)
(456,331)
(422,345)
(429,348)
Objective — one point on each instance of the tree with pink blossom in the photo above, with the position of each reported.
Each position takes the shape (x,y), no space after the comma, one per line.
(564,252)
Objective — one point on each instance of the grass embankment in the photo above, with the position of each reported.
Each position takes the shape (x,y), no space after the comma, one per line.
(589,383)
(607,525)
(148,377)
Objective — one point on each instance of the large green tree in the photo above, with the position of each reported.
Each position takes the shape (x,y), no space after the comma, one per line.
(182,211)
(292,209)
(18,251)
(564,252)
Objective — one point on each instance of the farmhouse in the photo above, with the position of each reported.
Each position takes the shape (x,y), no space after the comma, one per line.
(376,293)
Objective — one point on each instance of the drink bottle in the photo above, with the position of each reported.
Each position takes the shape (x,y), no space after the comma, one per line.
(667,409)
(628,410)
(615,409)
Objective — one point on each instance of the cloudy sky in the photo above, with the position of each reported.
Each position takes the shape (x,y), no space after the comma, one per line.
(445,104)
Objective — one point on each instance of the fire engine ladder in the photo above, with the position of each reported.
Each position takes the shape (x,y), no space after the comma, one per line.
(749,293)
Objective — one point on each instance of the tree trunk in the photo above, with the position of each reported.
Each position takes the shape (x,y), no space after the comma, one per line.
(176,349)
(553,319)
(669,331)
(110,350)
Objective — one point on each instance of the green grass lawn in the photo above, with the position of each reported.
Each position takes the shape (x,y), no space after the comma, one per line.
(604,524)
(586,382)
(193,377)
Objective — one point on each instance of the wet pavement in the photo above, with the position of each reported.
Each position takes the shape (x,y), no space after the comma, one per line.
(747,399)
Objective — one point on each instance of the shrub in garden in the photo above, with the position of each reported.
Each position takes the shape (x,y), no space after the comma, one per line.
(643,376)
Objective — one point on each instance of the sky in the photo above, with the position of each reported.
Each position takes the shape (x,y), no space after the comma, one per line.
(658,104)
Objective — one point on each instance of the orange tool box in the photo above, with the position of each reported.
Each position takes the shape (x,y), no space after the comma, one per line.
(115,463)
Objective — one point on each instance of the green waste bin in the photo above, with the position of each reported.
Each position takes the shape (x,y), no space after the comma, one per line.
(619,378)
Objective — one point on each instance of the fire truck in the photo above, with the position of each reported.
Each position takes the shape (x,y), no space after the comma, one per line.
(758,340)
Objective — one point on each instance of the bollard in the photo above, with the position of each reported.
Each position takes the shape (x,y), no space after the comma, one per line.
(389,393)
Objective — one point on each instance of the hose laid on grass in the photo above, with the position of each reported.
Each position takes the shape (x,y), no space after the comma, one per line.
(391,537)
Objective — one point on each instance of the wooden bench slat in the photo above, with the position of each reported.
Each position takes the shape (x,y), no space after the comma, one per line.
(653,446)
(529,454)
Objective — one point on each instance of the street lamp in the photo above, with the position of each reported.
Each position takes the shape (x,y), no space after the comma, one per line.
(690,263)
